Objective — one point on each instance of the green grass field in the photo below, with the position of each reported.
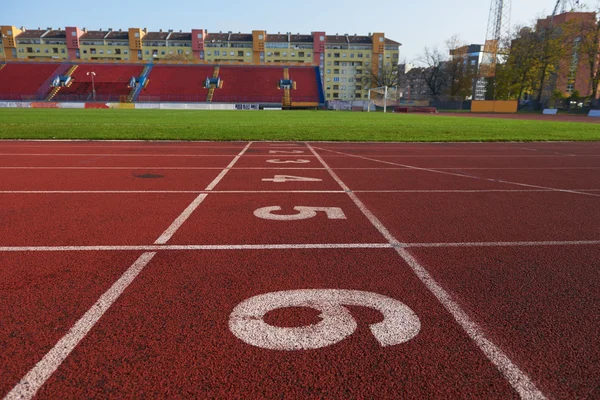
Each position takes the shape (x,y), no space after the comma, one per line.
(277,125)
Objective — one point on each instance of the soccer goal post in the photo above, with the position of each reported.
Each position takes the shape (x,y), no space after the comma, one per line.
(379,96)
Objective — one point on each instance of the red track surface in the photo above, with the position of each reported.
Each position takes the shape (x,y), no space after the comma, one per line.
(468,214)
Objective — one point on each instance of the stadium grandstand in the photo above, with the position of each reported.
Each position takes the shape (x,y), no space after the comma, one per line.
(137,65)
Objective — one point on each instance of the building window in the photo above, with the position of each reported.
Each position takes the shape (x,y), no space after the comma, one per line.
(351,55)
(321,38)
(74,34)
(260,37)
(199,36)
(328,71)
(360,55)
(92,51)
(109,52)
(336,55)
(240,53)
(285,54)
(232,53)
(137,35)
(117,51)
(217,53)
(336,71)
(301,54)
(30,49)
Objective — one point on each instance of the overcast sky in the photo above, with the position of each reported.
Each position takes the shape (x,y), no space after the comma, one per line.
(413,23)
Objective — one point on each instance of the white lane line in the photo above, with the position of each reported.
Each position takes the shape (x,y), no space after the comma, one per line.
(130,155)
(202,247)
(163,191)
(505,244)
(468,191)
(175,225)
(175,168)
(517,378)
(289,246)
(170,231)
(39,374)
(471,176)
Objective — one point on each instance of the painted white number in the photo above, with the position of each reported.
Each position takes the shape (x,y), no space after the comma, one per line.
(284,145)
(278,161)
(291,178)
(286,152)
(303,213)
(400,324)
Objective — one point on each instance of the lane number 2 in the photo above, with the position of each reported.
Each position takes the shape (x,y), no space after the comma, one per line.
(303,212)
(400,324)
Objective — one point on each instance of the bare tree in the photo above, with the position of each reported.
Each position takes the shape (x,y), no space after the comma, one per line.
(459,72)
(434,72)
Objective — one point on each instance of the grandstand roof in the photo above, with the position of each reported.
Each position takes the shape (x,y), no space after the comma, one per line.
(156,36)
(94,35)
(33,34)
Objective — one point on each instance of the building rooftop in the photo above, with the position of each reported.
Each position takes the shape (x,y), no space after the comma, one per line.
(216,37)
(93,35)
(301,38)
(56,34)
(32,34)
(181,36)
(240,37)
(156,36)
(118,35)
(279,38)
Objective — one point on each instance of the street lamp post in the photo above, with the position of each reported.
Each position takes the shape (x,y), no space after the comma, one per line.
(93,74)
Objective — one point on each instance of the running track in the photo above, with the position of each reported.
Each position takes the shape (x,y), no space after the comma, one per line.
(299,270)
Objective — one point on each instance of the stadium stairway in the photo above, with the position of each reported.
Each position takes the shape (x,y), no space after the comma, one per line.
(135,91)
(55,90)
(211,91)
